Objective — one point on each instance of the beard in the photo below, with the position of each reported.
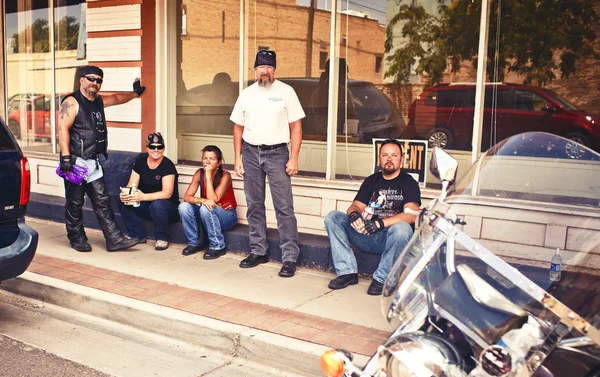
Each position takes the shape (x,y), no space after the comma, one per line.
(387,170)
(91,91)
(265,81)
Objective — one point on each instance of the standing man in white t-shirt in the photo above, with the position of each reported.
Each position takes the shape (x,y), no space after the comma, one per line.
(267,116)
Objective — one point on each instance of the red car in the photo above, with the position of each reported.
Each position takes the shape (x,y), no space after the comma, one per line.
(443,114)
(36,114)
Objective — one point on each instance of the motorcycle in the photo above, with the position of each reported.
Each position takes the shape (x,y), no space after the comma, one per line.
(459,309)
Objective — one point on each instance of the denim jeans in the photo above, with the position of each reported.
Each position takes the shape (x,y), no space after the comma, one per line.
(161,212)
(258,165)
(388,242)
(215,221)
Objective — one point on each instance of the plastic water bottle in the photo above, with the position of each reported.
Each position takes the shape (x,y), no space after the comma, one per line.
(555,266)
(133,192)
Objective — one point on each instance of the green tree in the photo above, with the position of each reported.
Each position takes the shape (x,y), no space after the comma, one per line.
(66,33)
(533,38)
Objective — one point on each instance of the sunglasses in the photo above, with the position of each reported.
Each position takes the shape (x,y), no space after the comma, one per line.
(94,79)
(159,147)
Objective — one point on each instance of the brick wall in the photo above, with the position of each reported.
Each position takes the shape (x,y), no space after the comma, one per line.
(210,48)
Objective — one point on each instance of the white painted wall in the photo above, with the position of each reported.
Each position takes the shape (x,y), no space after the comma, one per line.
(122,17)
(111,49)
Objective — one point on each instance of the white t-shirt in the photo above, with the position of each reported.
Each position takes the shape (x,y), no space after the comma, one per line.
(266,113)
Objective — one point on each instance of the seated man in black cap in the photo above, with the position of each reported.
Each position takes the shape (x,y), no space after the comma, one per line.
(82,138)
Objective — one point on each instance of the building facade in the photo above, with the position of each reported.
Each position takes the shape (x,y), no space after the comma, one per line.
(194,56)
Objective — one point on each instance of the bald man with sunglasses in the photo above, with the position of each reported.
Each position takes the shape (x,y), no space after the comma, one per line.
(82,138)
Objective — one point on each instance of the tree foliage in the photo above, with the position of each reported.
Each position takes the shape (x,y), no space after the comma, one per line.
(66,33)
(537,39)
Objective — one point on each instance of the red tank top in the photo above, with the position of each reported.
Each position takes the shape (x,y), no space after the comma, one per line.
(227,200)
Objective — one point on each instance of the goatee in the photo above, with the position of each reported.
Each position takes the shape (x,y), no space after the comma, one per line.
(265,83)
(389,171)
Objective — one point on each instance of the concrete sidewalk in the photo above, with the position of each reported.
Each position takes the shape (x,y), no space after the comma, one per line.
(301,307)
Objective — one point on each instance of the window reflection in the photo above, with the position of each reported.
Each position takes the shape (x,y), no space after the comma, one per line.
(31,84)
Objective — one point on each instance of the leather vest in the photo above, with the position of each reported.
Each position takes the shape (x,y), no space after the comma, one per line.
(88,133)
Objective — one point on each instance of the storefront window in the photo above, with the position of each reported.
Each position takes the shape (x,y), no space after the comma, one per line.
(407,69)
(208,78)
(38,72)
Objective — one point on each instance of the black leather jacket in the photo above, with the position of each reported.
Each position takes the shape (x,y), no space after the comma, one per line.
(88,136)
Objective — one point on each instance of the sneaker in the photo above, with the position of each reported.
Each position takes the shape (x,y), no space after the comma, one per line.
(161,245)
(343,281)
(375,289)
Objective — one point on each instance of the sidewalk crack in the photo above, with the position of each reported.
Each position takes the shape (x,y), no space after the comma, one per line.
(236,353)
(311,299)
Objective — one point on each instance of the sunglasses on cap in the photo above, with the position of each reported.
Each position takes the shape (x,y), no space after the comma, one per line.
(94,79)
(159,147)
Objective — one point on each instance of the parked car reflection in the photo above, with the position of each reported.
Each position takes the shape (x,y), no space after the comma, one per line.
(33,109)
(443,114)
(377,116)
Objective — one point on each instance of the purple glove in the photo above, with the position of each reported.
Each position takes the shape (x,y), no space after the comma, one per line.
(76,176)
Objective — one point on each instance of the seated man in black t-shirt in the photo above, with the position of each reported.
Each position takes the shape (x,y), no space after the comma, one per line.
(375,222)
(155,178)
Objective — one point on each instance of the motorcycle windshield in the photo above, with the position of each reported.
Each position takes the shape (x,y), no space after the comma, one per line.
(524,198)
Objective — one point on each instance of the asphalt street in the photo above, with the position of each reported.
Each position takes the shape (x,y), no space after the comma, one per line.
(18,359)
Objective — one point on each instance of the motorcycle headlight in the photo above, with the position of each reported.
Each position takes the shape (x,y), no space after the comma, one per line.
(420,355)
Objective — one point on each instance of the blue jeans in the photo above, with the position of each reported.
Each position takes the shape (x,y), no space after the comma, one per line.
(258,165)
(161,212)
(215,221)
(388,242)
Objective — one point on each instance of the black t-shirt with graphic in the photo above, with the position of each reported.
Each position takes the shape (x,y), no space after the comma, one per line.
(386,198)
(151,179)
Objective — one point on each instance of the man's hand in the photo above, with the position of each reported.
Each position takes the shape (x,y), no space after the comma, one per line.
(238,167)
(374,225)
(291,168)
(66,163)
(353,216)
(137,88)
(356,222)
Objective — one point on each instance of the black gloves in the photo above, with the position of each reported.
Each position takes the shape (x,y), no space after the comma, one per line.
(353,216)
(66,163)
(138,88)
(374,225)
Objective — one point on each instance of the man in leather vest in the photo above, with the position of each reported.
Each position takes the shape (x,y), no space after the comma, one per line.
(82,138)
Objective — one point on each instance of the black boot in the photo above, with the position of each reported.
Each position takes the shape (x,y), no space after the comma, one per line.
(74,199)
(98,194)
(123,244)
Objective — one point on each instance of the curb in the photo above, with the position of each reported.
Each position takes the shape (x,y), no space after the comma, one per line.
(275,350)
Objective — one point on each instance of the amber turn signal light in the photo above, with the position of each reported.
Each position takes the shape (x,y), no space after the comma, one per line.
(332,364)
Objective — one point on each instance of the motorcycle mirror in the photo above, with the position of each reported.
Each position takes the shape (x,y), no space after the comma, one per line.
(443,166)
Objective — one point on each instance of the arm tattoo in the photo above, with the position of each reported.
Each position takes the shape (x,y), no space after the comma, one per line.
(64,109)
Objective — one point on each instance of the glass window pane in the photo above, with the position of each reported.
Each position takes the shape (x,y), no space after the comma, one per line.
(70,50)
(208,78)
(29,72)
(554,82)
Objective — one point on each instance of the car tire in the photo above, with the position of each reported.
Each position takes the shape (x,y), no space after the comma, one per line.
(579,138)
(15,128)
(440,137)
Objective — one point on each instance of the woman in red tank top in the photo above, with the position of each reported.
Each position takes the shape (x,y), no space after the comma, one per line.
(215,207)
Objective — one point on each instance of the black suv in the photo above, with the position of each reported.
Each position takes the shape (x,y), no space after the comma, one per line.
(18,242)
(377,116)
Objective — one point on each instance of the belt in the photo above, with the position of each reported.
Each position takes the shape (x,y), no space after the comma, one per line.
(267,147)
